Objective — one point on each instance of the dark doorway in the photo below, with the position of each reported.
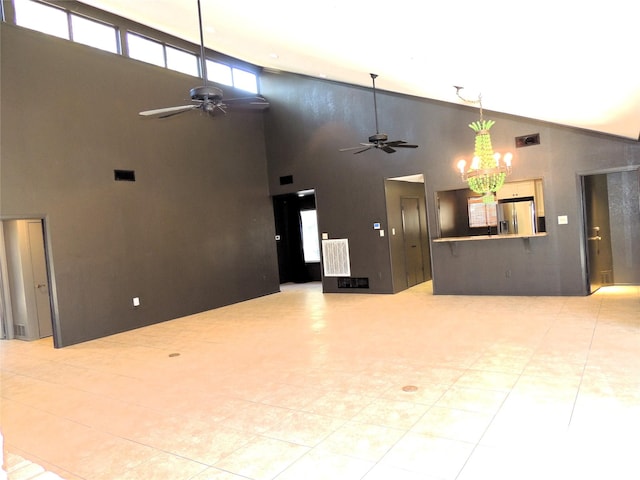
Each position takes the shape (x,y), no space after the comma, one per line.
(597,232)
(298,262)
(412,234)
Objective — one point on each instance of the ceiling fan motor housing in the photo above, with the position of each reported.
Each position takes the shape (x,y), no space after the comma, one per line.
(378,137)
(207,92)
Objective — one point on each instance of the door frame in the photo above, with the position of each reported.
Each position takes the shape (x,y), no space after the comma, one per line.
(5,292)
(583,217)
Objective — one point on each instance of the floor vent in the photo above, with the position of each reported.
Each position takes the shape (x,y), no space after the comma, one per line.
(353,282)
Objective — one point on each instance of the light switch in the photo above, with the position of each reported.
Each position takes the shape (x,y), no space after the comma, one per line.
(382,233)
(563,220)
(136,301)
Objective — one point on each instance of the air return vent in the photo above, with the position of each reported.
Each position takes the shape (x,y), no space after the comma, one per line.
(124,175)
(528,140)
(353,282)
(335,258)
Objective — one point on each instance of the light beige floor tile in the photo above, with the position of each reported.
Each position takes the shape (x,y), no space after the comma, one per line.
(487,380)
(359,440)
(164,466)
(473,399)
(318,465)
(463,425)
(381,472)
(391,413)
(262,458)
(339,404)
(435,456)
(213,473)
(554,378)
(256,418)
(304,428)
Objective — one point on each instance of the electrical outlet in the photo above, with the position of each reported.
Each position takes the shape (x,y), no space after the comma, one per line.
(136,301)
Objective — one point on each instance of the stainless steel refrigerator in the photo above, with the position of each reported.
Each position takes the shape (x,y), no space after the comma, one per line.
(517,217)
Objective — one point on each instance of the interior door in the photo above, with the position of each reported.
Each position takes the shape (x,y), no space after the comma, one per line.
(597,231)
(40,278)
(412,240)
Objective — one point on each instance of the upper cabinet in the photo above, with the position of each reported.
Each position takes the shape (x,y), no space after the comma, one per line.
(526,188)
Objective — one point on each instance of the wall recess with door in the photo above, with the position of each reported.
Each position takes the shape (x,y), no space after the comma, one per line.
(611,204)
(297,237)
(26,291)
(407,231)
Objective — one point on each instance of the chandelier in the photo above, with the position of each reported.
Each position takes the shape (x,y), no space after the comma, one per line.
(488,169)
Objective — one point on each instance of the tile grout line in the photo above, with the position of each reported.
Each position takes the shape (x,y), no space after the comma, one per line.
(586,362)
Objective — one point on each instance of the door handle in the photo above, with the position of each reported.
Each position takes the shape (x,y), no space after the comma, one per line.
(40,285)
(597,238)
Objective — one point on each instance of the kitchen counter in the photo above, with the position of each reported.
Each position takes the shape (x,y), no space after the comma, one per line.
(487,237)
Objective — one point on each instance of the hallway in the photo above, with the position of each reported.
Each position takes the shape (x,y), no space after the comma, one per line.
(304,385)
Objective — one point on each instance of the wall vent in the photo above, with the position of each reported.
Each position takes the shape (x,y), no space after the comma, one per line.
(19,330)
(286,180)
(353,282)
(528,140)
(335,258)
(124,175)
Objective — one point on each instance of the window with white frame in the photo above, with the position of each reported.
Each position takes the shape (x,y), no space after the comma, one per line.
(94,34)
(245,80)
(41,17)
(62,23)
(182,61)
(145,49)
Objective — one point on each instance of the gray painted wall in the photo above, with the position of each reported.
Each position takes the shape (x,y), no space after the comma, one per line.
(310,119)
(195,230)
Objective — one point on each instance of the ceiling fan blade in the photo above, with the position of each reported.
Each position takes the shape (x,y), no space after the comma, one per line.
(368,145)
(400,143)
(387,149)
(253,103)
(168,111)
(363,150)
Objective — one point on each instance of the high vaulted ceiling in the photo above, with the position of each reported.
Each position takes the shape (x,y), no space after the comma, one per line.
(563,61)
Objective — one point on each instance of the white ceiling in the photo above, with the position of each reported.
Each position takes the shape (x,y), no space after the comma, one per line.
(564,61)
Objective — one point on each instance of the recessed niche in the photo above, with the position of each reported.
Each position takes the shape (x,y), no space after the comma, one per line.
(124,175)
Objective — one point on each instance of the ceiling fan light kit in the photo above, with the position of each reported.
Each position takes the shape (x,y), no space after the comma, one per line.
(207,98)
(378,140)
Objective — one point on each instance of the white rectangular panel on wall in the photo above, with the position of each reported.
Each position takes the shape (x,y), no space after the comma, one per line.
(335,258)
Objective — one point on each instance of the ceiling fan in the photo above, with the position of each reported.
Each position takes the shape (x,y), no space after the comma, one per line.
(379,140)
(208,98)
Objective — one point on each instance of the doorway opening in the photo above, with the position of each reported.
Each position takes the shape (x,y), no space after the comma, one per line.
(297,238)
(26,300)
(408,231)
(611,207)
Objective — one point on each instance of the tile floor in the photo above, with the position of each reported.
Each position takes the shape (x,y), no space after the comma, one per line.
(301,385)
